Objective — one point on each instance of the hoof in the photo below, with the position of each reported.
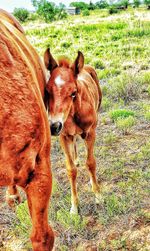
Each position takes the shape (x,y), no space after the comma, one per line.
(13,199)
(74,210)
(99,198)
(77,162)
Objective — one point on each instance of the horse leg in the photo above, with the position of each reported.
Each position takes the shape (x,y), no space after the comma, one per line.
(38,193)
(12,196)
(76,160)
(67,143)
(91,163)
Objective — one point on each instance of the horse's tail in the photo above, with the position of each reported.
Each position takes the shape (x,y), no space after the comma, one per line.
(93,74)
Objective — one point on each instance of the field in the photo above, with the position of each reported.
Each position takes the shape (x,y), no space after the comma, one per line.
(118,46)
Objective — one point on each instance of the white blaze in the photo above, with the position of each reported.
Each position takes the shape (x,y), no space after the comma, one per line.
(59,81)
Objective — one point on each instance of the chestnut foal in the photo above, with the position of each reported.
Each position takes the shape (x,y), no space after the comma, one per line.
(74,100)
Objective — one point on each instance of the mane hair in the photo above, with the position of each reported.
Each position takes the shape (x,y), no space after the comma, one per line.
(64,62)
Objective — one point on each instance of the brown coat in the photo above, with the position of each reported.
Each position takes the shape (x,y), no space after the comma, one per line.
(24,129)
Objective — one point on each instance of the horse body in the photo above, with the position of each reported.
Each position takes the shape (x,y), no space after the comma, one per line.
(74,99)
(24,130)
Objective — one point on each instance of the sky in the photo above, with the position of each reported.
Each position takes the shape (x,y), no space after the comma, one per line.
(9,5)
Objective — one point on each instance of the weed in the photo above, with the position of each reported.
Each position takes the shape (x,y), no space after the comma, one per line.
(125,87)
(114,205)
(67,220)
(147,116)
(124,125)
(121,113)
(106,104)
(109,139)
(22,224)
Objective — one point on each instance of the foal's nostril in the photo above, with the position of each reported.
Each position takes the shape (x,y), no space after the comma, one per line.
(56,128)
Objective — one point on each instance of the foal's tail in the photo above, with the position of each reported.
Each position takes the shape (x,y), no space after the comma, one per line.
(93,74)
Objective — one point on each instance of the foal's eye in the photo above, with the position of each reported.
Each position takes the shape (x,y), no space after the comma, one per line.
(73,95)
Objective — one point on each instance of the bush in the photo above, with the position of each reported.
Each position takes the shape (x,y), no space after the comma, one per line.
(122,113)
(126,87)
(113,10)
(21,14)
(125,124)
(85,12)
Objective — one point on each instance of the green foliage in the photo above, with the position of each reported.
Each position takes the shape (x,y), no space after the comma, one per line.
(23,225)
(81,5)
(21,14)
(110,138)
(106,104)
(148,90)
(136,3)
(145,150)
(70,220)
(125,124)
(119,114)
(145,78)
(115,205)
(85,12)
(101,4)
(123,3)
(48,10)
(147,3)
(147,116)
(126,87)
(113,10)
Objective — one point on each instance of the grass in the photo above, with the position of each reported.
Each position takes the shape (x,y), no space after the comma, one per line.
(118,47)
(122,113)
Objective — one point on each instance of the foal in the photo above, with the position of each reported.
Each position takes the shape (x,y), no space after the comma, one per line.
(74,100)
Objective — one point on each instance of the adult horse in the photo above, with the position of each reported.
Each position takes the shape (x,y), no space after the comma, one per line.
(24,129)
(74,99)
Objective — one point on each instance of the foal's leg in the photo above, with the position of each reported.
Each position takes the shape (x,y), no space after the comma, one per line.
(67,143)
(12,196)
(91,163)
(38,193)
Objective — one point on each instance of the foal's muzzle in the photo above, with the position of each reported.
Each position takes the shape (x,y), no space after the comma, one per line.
(56,128)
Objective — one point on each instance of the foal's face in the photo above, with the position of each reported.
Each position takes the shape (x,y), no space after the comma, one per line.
(62,91)
(62,88)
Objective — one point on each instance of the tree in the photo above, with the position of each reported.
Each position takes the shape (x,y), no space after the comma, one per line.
(147,3)
(123,3)
(91,6)
(48,10)
(80,5)
(101,4)
(21,14)
(137,3)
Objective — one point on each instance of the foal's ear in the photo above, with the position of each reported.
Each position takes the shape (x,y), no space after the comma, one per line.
(78,64)
(49,61)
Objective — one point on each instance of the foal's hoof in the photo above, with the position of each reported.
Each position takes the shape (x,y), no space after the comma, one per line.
(74,210)
(77,162)
(13,199)
(99,198)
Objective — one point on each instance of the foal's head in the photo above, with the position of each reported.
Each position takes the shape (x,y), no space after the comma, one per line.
(62,88)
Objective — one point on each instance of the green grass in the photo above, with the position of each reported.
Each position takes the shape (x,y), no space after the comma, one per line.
(125,125)
(120,114)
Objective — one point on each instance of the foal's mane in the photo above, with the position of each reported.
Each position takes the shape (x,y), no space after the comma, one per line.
(64,62)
